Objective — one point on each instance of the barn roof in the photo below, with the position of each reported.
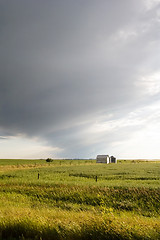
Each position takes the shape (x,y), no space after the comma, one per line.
(102,156)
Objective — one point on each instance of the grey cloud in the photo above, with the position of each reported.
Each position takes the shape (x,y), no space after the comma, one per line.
(60,65)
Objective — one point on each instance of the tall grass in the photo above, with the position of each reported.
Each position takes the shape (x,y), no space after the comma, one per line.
(50,224)
(66,202)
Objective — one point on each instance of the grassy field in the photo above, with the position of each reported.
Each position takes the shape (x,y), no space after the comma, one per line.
(79,199)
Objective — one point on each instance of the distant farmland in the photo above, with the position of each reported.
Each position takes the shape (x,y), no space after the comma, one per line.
(79,199)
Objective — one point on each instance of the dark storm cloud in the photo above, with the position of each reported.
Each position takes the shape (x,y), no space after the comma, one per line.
(65,62)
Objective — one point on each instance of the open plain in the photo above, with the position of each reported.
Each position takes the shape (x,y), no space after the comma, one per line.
(79,199)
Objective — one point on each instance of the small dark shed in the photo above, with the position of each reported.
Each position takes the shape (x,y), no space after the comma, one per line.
(112,159)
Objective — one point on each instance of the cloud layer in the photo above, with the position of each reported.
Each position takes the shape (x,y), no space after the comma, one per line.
(79,75)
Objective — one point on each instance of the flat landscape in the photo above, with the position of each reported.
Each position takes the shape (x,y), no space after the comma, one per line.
(79,199)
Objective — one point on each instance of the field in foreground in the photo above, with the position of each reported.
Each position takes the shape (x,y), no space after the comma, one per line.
(66,201)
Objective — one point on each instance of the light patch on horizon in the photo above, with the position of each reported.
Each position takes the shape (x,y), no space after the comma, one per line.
(23,148)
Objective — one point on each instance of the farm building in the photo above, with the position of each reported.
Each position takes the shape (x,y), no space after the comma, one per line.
(102,159)
(112,159)
(105,159)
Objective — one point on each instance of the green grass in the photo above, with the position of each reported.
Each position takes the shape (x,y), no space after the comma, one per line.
(66,202)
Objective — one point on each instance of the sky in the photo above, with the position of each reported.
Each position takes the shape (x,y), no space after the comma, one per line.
(79,78)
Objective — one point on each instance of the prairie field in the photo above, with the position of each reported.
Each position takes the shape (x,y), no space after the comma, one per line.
(79,199)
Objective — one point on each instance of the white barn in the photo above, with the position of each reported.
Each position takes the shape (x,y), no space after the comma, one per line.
(102,159)
(105,159)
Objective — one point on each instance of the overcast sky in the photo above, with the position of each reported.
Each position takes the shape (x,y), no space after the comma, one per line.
(79,78)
